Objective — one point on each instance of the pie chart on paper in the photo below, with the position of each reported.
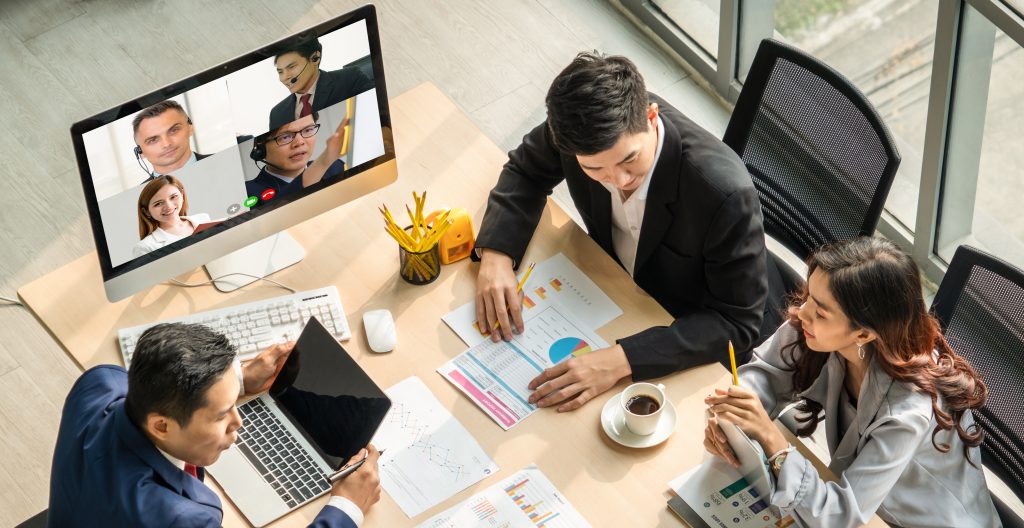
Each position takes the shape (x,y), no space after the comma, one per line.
(567,346)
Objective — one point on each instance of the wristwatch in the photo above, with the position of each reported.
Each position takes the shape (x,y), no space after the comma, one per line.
(776,461)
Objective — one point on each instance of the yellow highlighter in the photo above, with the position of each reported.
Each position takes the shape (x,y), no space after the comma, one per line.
(522,282)
(732,361)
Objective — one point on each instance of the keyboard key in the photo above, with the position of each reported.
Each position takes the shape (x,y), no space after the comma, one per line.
(255,460)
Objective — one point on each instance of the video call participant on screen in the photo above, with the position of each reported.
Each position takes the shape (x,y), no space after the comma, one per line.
(312,89)
(285,154)
(132,445)
(163,215)
(665,198)
(860,346)
(162,134)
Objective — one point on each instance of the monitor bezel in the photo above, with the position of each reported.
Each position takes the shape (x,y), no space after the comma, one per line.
(110,272)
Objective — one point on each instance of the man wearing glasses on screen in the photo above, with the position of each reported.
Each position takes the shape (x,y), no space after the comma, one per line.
(283,156)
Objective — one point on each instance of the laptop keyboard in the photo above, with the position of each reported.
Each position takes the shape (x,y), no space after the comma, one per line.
(275,454)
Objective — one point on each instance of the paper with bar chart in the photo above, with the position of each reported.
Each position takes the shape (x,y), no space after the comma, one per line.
(555,280)
(496,376)
(430,456)
(524,500)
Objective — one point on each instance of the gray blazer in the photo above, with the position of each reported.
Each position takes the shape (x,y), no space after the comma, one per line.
(885,460)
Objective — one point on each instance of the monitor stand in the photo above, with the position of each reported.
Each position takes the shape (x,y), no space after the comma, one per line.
(255,261)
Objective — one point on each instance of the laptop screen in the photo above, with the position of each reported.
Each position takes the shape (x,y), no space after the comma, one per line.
(328,397)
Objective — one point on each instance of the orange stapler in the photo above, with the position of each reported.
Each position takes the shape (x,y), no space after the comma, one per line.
(457,242)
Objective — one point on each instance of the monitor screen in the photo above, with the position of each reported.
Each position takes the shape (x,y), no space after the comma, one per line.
(217,151)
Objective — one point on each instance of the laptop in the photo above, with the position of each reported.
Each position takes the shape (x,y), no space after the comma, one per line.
(320,411)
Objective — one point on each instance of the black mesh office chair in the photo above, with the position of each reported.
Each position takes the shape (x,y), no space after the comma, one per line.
(980,305)
(820,156)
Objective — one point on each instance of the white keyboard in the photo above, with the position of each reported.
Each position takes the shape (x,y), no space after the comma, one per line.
(255,326)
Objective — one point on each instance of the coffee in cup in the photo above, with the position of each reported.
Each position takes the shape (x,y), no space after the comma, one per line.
(642,405)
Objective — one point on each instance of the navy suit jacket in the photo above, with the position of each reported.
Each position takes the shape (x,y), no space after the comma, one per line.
(106,472)
(332,87)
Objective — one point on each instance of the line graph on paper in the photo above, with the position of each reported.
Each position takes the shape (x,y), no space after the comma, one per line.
(430,455)
(421,440)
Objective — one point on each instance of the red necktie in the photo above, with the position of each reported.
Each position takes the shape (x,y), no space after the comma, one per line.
(191,470)
(307,108)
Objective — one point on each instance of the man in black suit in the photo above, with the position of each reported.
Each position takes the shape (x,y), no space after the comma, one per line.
(286,152)
(162,137)
(669,201)
(312,89)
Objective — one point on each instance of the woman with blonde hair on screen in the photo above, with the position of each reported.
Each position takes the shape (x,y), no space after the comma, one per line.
(163,215)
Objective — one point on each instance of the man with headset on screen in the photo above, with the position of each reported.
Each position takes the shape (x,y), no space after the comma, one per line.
(162,133)
(285,154)
(312,89)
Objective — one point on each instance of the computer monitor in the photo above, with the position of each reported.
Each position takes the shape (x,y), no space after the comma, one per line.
(211,170)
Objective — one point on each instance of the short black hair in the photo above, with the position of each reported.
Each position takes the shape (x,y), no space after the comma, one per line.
(155,110)
(305,44)
(594,101)
(173,367)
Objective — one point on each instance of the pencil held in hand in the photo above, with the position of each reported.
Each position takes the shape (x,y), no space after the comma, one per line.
(732,361)
(519,289)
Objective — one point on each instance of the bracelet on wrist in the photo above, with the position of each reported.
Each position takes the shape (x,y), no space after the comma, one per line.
(776,460)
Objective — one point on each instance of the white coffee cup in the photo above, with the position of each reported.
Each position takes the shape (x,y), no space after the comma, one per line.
(642,424)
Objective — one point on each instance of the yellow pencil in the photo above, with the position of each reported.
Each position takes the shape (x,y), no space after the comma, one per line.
(732,361)
(522,282)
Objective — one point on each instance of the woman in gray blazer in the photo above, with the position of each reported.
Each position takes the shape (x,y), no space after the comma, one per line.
(861,346)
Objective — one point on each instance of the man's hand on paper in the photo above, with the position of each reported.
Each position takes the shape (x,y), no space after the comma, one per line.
(497,298)
(577,380)
(743,408)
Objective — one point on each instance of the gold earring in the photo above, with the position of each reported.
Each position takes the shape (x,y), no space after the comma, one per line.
(860,350)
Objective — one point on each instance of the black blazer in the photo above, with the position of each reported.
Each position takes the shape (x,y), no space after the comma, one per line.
(332,87)
(701,253)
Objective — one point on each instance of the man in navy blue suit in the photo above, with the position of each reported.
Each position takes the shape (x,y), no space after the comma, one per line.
(312,89)
(132,445)
(286,152)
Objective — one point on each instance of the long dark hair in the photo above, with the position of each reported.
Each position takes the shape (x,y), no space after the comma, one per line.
(878,287)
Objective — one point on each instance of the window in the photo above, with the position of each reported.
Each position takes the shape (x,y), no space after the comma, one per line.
(697,18)
(885,49)
(981,207)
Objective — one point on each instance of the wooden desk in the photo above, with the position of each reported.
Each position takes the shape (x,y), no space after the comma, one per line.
(439,150)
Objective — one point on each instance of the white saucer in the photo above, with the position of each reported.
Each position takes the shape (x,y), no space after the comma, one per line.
(614,424)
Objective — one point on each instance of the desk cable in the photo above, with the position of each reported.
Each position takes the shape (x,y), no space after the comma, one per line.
(12,302)
(221,279)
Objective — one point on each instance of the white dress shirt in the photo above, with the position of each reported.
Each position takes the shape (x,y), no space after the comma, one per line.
(628,213)
(153,174)
(160,238)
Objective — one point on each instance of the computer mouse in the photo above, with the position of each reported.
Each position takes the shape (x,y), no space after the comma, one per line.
(380,330)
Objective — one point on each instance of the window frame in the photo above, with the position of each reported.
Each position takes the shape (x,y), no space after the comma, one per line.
(955,116)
